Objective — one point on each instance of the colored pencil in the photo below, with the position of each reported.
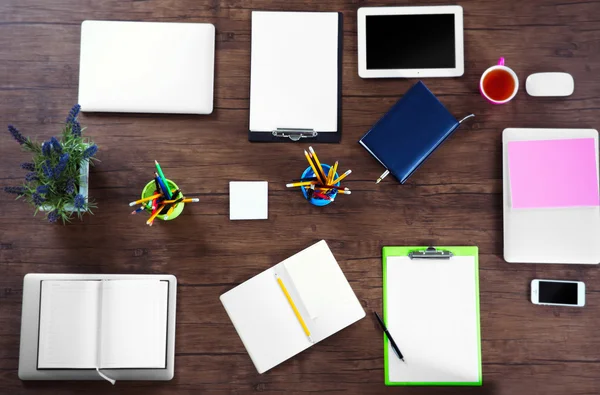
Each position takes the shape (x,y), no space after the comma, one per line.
(142,208)
(312,166)
(145,199)
(340,178)
(294,308)
(332,173)
(189,200)
(339,189)
(161,174)
(300,184)
(151,219)
(163,186)
(169,212)
(305,179)
(321,196)
(314,156)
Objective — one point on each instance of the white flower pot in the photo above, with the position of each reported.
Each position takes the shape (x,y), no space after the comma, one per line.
(84,174)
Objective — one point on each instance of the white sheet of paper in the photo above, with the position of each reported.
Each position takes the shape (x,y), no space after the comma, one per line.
(267,324)
(294,71)
(248,200)
(432,315)
(134,324)
(68,324)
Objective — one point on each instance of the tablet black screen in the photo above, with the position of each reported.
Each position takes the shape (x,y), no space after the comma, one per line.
(410,41)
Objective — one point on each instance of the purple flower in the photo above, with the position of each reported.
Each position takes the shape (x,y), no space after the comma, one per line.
(90,151)
(70,187)
(38,200)
(46,148)
(31,176)
(28,166)
(47,169)
(62,165)
(42,189)
(76,129)
(53,216)
(56,144)
(16,135)
(72,117)
(79,201)
(15,190)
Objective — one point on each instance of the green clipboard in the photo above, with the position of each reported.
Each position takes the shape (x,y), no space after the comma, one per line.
(438,252)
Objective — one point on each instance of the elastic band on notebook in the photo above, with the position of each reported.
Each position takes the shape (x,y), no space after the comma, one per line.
(105,377)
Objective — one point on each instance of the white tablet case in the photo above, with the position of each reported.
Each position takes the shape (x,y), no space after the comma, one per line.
(549,235)
(147,67)
(30,322)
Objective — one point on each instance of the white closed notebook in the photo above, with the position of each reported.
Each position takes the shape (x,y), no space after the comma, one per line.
(294,71)
(550,234)
(147,67)
(265,320)
(114,324)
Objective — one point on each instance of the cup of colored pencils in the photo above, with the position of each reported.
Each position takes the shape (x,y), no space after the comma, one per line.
(320,183)
(161,198)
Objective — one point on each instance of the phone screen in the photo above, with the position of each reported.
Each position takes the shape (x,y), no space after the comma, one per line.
(559,293)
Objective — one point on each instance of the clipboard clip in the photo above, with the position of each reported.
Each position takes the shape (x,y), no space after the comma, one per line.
(294,134)
(430,253)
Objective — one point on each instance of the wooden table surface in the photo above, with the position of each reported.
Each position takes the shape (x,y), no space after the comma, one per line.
(455,198)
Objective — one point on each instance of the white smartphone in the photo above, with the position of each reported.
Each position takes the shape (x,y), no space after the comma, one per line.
(558,293)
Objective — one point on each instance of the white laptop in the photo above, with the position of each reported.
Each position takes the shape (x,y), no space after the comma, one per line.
(549,235)
(147,67)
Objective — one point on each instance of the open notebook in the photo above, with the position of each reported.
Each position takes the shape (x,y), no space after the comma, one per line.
(431,308)
(111,324)
(265,320)
(295,78)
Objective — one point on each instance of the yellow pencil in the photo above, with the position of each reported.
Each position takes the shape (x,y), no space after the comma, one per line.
(301,184)
(190,200)
(344,191)
(332,172)
(148,198)
(316,158)
(312,166)
(170,212)
(158,210)
(340,178)
(298,316)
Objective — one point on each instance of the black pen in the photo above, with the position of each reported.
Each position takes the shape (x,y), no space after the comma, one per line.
(390,338)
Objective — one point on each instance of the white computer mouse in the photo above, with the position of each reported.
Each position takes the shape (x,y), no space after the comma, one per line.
(550,84)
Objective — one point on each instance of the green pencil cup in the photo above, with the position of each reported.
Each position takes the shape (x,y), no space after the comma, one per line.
(149,191)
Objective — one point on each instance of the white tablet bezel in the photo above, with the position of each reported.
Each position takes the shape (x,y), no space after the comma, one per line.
(458,71)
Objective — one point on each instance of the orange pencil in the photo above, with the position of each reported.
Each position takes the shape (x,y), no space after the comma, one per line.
(151,219)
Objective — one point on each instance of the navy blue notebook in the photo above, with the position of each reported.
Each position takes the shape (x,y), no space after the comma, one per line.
(409,132)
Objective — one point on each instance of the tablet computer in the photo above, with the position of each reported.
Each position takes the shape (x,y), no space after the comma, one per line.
(410,42)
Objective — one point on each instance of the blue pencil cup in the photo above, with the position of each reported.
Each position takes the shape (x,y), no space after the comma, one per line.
(308,173)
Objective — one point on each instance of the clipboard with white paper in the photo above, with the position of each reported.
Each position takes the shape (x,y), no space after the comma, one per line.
(431,308)
(295,80)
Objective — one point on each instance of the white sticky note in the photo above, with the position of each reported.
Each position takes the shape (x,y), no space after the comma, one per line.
(248,200)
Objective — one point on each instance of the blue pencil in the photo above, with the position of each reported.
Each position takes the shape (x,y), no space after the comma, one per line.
(164,188)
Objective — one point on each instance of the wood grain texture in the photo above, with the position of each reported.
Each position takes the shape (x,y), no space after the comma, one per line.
(454,199)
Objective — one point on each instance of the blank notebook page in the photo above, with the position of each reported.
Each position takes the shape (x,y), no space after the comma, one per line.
(134,324)
(294,71)
(431,312)
(68,324)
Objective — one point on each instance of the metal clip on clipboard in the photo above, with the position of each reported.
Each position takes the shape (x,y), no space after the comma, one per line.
(294,134)
(430,253)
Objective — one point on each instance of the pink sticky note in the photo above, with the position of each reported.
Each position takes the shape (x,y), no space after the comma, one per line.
(553,173)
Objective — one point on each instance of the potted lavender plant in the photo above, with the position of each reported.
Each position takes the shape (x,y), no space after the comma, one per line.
(57,178)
